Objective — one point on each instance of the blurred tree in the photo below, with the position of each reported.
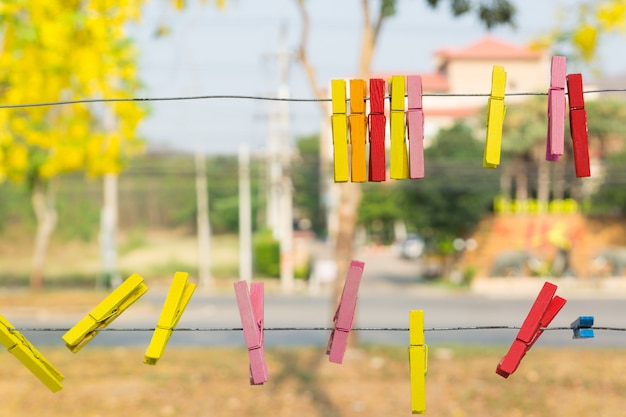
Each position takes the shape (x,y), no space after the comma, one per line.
(57,50)
(581,27)
(457,193)
(306,183)
(491,13)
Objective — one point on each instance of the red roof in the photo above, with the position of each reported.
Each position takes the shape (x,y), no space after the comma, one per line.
(433,82)
(489,48)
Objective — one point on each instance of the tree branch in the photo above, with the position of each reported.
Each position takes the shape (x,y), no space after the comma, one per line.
(304,58)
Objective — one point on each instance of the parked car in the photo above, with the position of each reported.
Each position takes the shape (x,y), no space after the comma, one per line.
(410,248)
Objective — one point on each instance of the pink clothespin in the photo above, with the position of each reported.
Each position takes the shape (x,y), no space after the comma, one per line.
(345,313)
(250,306)
(542,312)
(415,126)
(556,109)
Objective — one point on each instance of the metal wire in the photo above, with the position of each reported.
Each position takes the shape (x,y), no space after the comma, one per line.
(264,98)
(321,328)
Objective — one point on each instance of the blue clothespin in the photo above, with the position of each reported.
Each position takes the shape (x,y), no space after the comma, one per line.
(582,327)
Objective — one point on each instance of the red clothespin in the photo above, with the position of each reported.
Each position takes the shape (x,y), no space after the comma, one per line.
(250,306)
(377,122)
(578,124)
(556,109)
(415,126)
(345,313)
(543,311)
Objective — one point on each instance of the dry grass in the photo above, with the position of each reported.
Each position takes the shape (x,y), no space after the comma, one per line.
(371,382)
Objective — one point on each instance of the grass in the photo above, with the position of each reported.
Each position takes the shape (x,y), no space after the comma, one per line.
(156,256)
(372,381)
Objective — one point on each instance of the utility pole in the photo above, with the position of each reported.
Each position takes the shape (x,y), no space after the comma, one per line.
(245,216)
(109,218)
(280,193)
(204,227)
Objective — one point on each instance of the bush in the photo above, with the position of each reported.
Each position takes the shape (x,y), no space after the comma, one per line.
(266,254)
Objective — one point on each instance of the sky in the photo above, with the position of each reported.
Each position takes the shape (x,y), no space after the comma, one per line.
(232,51)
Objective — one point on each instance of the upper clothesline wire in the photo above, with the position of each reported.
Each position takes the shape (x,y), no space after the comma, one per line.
(249,97)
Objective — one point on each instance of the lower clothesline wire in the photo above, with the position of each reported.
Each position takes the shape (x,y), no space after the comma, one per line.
(376,329)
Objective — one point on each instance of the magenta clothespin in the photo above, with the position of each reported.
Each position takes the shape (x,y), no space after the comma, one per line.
(345,313)
(556,109)
(415,126)
(250,306)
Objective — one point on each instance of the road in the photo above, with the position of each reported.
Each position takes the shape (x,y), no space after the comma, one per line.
(390,288)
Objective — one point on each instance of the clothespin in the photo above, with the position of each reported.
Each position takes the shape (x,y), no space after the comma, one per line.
(345,313)
(556,109)
(578,124)
(377,123)
(542,312)
(30,357)
(582,327)
(398,163)
(250,306)
(175,303)
(339,123)
(418,361)
(358,127)
(496,109)
(104,313)
(415,126)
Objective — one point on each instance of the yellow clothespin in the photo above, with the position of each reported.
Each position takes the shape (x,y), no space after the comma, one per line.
(104,313)
(399,158)
(30,357)
(339,121)
(496,109)
(175,303)
(418,361)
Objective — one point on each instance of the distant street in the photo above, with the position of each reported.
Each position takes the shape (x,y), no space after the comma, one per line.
(390,288)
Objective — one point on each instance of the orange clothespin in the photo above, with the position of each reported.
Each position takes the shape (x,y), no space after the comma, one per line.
(398,159)
(578,124)
(556,109)
(345,313)
(377,123)
(358,127)
(250,306)
(496,109)
(542,312)
(339,123)
(415,126)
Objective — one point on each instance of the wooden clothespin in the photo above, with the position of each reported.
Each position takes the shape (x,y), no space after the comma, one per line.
(398,160)
(104,313)
(542,312)
(415,126)
(339,123)
(344,315)
(175,303)
(496,109)
(418,361)
(582,327)
(30,357)
(556,109)
(578,124)
(358,127)
(377,132)
(250,306)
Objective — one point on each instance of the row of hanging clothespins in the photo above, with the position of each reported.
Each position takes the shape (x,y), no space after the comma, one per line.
(350,154)
(250,302)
